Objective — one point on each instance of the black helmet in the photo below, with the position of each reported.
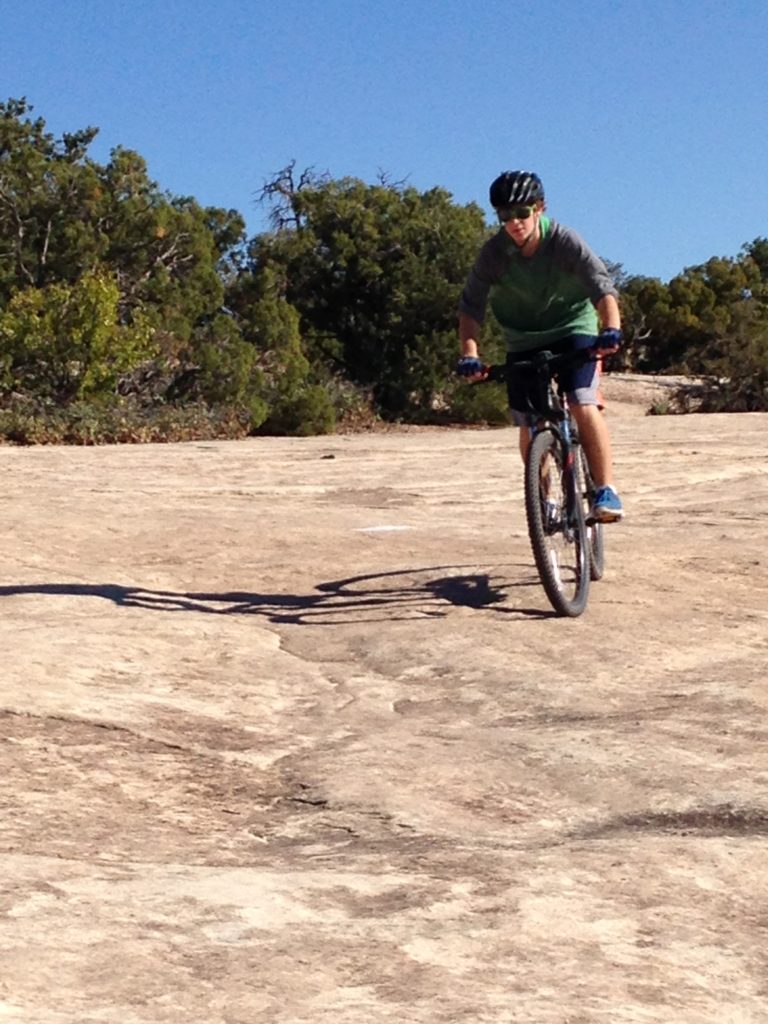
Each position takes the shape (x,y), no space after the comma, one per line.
(516,187)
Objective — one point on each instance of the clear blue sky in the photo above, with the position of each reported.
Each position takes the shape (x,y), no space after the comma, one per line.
(646,119)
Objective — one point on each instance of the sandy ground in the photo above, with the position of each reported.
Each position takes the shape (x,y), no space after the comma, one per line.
(289,735)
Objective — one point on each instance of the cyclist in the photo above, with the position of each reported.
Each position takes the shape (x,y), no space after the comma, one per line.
(547,289)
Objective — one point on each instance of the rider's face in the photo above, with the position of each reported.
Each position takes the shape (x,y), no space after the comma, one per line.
(521,229)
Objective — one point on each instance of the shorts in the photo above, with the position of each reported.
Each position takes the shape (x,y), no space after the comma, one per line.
(580,383)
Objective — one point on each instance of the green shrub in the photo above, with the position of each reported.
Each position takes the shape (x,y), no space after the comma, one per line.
(478,403)
(301,413)
(65,342)
(119,422)
(737,380)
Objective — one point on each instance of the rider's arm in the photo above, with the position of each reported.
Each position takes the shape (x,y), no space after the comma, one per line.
(572,254)
(469,332)
(488,268)
(608,311)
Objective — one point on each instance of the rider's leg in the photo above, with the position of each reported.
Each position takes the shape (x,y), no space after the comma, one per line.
(524,441)
(585,402)
(593,431)
(582,383)
(518,388)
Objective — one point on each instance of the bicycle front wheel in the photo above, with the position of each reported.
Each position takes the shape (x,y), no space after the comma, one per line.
(556,525)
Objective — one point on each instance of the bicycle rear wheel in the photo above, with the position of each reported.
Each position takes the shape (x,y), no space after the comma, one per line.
(594,530)
(556,525)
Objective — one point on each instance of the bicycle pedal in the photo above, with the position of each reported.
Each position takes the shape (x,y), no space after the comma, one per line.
(603,517)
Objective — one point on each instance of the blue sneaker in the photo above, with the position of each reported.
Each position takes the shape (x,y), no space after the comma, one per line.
(607,506)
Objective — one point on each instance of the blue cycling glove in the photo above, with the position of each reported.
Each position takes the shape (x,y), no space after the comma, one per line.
(609,340)
(469,366)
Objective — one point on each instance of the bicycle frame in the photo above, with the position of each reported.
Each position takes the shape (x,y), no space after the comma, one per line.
(551,412)
(562,543)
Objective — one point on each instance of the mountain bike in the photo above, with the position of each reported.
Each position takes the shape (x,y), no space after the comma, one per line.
(568,550)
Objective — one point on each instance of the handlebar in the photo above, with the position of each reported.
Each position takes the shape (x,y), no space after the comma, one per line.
(544,361)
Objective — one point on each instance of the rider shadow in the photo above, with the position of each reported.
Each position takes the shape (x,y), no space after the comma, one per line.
(379,597)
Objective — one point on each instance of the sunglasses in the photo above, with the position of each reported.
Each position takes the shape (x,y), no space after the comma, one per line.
(506,213)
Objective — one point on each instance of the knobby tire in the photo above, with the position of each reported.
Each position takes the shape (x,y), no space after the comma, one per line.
(561,552)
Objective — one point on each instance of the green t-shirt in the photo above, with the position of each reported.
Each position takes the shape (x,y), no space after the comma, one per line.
(542,298)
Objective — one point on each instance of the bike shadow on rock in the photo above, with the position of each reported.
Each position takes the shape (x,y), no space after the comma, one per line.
(419,593)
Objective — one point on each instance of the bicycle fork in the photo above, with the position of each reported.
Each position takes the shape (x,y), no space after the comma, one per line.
(569,449)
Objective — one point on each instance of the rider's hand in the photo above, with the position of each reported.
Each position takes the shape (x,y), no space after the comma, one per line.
(609,340)
(469,366)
